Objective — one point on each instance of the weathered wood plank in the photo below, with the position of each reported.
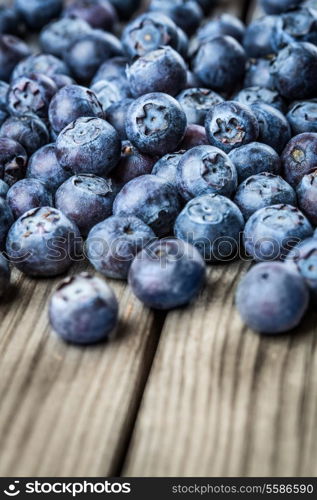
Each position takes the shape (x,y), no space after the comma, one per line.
(68,410)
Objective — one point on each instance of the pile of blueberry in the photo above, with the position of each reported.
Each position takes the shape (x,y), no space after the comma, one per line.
(152,142)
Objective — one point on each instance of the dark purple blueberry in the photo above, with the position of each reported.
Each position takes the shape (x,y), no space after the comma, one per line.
(279,6)
(83,310)
(299,157)
(263,190)
(219,25)
(43,242)
(187,14)
(206,170)
(220,64)
(13,160)
(252,95)
(72,102)
(114,70)
(9,20)
(117,114)
(29,131)
(113,243)
(4,188)
(12,51)
(195,135)
(272,231)
(303,116)
(132,164)
(6,221)
(303,260)
(47,64)
(213,224)
(5,275)
(274,129)
(161,70)
(151,199)
(43,165)
(258,73)
(258,39)
(88,145)
(196,102)
(294,71)
(307,196)
(31,94)
(37,13)
(98,13)
(27,194)
(230,125)
(167,273)
(56,37)
(107,93)
(148,32)
(86,54)
(166,167)
(296,26)
(156,124)
(271,299)
(86,200)
(255,158)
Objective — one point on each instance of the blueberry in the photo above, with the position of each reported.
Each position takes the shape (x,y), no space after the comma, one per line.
(56,37)
(9,20)
(263,190)
(98,13)
(156,123)
(279,6)
(294,71)
(62,80)
(88,145)
(72,102)
(274,129)
(83,310)
(31,95)
(196,102)
(161,70)
(299,157)
(303,117)
(4,87)
(272,231)
(43,165)
(206,170)
(187,14)
(258,39)
(47,64)
(5,274)
(151,199)
(13,160)
(303,260)
(27,194)
(114,70)
(195,135)
(251,95)
(29,131)
(258,73)
(4,188)
(213,224)
(296,26)
(132,164)
(168,273)
(117,114)
(6,221)
(112,244)
(222,24)
(271,299)
(220,64)
(166,167)
(107,93)
(43,242)
(37,13)
(12,51)
(86,200)
(85,54)
(255,158)
(307,196)
(148,32)
(230,125)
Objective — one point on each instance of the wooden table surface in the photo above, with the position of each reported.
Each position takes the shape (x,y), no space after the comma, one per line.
(188,393)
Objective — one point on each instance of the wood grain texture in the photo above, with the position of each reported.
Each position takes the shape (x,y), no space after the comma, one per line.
(67,410)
